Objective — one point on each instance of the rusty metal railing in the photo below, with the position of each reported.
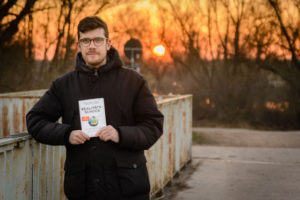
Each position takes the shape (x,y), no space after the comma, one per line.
(30,170)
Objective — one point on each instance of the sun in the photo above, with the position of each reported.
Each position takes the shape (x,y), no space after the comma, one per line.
(159,50)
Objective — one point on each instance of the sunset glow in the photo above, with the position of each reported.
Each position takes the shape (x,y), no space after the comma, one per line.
(159,50)
(155,22)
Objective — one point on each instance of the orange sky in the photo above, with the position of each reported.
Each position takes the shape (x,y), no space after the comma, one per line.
(150,28)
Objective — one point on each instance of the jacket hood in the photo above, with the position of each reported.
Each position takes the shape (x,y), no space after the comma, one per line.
(113,61)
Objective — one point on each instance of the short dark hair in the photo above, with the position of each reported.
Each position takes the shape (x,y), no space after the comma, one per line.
(91,23)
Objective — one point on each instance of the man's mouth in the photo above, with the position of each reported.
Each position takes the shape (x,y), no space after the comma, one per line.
(91,53)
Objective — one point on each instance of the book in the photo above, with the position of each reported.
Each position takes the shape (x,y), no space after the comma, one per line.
(92,115)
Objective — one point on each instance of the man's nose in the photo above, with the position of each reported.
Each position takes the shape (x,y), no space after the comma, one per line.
(92,44)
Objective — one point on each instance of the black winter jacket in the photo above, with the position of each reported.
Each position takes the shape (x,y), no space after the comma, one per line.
(129,107)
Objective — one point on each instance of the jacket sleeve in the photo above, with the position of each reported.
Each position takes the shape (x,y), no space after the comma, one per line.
(149,122)
(42,120)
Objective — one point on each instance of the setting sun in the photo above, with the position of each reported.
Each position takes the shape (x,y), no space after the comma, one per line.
(159,50)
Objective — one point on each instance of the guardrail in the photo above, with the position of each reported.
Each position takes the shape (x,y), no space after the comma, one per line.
(13,108)
(30,170)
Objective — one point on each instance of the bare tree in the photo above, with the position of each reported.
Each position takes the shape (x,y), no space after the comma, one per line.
(289,32)
(8,28)
(15,20)
(194,52)
(224,40)
(290,36)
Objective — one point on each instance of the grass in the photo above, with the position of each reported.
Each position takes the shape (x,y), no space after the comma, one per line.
(198,138)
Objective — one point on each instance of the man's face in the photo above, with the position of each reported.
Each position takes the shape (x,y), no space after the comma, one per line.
(94,54)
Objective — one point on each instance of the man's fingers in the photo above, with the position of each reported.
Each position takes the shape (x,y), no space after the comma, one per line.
(101,131)
(80,139)
(108,133)
(103,134)
(76,140)
(85,136)
(80,136)
(106,136)
(98,133)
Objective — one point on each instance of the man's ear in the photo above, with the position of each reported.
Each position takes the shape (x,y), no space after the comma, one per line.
(78,47)
(108,45)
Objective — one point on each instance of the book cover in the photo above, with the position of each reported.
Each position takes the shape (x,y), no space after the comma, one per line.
(92,115)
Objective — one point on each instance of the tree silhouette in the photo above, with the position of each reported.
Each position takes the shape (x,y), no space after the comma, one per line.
(8,28)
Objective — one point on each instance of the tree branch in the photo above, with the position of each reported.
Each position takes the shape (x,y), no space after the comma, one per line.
(276,9)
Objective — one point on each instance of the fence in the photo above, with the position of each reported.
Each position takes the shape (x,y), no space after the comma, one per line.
(30,170)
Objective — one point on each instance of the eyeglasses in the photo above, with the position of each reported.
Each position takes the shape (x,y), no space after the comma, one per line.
(98,41)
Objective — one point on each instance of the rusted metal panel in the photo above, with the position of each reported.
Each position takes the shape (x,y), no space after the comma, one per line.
(24,94)
(35,171)
(30,170)
(13,108)
(14,169)
(47,167)
(173,150)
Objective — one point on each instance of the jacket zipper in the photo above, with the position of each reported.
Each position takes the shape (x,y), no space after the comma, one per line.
(95,72)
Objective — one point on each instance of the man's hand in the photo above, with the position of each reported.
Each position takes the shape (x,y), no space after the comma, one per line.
(108,133)
(78,137)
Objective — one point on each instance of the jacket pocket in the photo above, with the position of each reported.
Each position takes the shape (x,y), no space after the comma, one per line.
(133,177)
(74,184)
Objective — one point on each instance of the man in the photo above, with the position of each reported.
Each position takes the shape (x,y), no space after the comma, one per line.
(111,165)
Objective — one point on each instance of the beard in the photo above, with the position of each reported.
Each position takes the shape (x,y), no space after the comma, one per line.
(94,59)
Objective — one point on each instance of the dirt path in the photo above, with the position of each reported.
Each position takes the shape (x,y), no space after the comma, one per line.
(247,138)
